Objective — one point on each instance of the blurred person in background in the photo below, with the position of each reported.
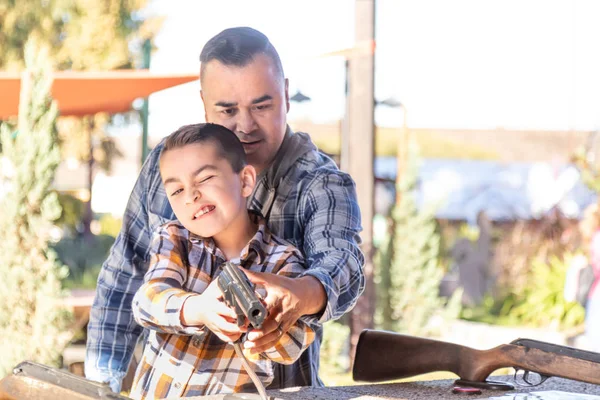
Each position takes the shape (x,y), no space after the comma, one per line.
(302,194)
(590,233)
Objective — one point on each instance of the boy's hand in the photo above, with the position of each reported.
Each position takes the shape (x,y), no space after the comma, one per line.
(210,310)
(287,300)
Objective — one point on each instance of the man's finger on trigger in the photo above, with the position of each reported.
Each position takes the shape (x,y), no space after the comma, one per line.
(258,278)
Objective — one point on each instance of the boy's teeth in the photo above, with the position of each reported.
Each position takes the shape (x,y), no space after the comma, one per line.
(203,211)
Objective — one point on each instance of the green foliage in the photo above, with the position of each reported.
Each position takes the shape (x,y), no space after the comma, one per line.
(590,171)
(72,210)
(431,145)
(540,303)
(110,225)
(77,32)
(33,321)
(84,258)
(334,360)
(408,267)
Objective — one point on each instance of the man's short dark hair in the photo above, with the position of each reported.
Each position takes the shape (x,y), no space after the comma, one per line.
(238,47)
(228,145)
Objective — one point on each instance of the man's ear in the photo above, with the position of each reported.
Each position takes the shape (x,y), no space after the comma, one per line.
(204,103)
(287,95)
(248,176)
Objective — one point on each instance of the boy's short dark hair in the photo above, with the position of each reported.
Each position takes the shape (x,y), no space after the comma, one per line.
(228,145)
(238,47)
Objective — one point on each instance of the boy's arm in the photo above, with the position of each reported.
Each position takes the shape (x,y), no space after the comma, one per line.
(292,343)
(159,302)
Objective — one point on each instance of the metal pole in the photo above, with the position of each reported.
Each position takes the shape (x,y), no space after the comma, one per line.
(145,108)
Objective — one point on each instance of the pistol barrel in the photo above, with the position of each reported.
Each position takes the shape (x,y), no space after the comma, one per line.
(238,289)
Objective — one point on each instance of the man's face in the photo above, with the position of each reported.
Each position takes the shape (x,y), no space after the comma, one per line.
(252,101)
(206,195)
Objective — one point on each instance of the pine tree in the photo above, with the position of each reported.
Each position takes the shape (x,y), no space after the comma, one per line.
(33,320)
(409,268)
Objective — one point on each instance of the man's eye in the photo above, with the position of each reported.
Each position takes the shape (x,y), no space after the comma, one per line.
(175,193)
(263,107)
(228,111)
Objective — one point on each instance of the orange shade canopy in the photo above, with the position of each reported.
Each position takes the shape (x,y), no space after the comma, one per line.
(81,93)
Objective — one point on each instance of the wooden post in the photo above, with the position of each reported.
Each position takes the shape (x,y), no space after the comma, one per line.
(360,138)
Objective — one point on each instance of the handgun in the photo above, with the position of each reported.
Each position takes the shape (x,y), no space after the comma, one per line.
(239,294)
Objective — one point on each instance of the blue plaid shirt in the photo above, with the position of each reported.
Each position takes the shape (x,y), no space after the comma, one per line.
(315,208)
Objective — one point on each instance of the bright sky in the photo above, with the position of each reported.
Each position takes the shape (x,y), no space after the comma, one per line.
(528,64)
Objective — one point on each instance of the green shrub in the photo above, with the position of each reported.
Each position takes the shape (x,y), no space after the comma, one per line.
(83,258)
(110,225)
(33,318)
(334,360)
(539,304)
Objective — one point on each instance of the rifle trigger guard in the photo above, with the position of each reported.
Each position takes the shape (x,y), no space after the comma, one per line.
(488,385)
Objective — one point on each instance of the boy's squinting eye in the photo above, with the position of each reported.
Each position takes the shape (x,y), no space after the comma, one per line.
(175,193)
(207,178)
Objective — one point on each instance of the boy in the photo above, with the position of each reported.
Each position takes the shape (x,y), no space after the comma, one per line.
(188,351)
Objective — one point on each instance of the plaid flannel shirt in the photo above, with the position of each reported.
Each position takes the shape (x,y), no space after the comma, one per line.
(186,361)
(315,209)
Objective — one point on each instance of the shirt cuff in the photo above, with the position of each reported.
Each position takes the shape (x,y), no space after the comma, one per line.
(114,379)
(325,279)
(173,309)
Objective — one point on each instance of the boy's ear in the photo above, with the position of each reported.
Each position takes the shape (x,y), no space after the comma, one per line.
(248,176)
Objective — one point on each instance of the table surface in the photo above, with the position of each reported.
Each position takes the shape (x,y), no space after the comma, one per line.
(438,389)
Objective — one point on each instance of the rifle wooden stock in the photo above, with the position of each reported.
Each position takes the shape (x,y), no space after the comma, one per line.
(382,356)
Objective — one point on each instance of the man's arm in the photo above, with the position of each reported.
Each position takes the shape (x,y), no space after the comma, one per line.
(284,346)
(328,210)
(330,213)
(112,331)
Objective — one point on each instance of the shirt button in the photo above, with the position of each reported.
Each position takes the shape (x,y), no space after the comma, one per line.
(177,385)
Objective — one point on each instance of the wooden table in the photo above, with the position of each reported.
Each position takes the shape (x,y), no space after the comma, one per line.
(439,389)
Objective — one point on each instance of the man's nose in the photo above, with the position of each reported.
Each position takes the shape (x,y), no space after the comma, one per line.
(245,122)
(192,196)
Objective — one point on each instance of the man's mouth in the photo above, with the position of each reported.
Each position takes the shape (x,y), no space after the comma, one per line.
(250,143)
(203,211)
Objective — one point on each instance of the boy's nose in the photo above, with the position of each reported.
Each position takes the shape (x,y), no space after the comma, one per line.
(192,197)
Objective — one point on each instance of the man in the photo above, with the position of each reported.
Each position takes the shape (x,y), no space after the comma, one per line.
(304,197)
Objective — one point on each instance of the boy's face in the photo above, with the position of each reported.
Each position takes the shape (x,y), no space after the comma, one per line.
(207,196)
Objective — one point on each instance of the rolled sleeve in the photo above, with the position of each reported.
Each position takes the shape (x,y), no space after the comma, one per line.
(331,217)
(291,344)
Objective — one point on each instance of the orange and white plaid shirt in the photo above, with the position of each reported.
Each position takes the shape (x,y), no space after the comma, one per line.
(184,361)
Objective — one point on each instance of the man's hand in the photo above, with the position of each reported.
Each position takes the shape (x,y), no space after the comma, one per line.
(210,310)
(287,300)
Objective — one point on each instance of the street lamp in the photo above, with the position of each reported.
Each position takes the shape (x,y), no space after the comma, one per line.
(300,97)
(403,142)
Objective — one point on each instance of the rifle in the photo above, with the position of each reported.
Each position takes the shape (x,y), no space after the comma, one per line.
(31,380)
(239,294)
(382,356)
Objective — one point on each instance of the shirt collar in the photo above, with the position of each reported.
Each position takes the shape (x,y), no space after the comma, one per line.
(253,252)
